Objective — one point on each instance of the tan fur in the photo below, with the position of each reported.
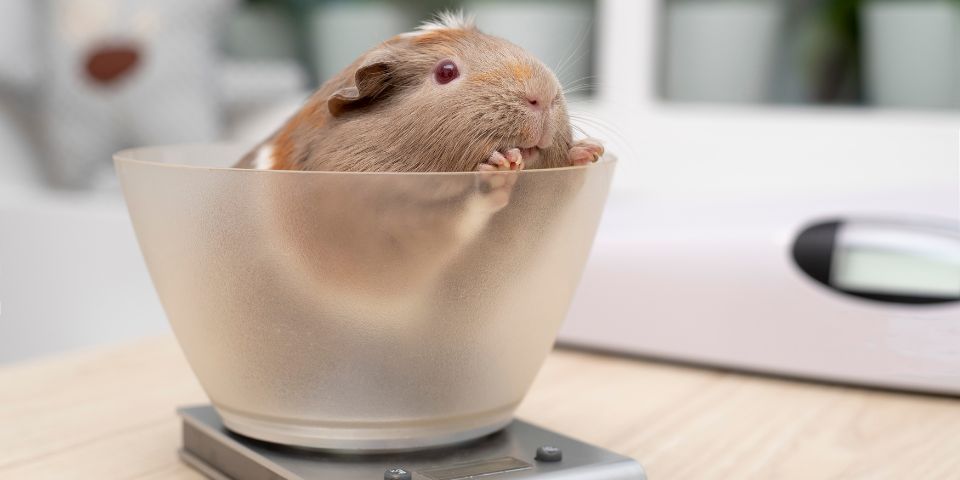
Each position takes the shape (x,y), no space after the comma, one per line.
(397,240)
(398,118)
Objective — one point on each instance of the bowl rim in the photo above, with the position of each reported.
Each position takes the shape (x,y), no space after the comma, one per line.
(125,156)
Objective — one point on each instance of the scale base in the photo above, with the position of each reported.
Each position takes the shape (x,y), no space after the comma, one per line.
(508,454)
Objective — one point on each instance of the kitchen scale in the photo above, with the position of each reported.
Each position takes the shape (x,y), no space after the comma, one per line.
(364,344)
(793,289)
(519,451)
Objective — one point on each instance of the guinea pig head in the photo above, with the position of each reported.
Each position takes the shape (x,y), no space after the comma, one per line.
(441,98)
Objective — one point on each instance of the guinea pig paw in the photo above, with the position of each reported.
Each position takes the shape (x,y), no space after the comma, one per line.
(585,151)
(495,185)
(502,162)
(515,157)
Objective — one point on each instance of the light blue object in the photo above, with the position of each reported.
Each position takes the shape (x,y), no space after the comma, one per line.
(339,32)
(720,50)
(912,53)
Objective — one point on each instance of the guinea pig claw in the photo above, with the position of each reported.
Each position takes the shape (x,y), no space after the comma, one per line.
(496,161)
(515,157)
(503,162)
(585,151)
(494,186)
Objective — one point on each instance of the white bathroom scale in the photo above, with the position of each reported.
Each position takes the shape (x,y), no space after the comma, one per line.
(519,451)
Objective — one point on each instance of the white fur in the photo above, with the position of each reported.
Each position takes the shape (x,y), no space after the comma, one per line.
(444,21)
(264,159)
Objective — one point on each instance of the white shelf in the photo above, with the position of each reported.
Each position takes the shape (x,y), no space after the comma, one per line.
(703,150)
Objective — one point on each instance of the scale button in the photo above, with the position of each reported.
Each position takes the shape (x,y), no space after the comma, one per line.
(547,453)
(397,474)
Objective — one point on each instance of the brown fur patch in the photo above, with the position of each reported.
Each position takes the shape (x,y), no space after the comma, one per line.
(489,77)
(439,36)
(285,145)
(516,70)
(520,71)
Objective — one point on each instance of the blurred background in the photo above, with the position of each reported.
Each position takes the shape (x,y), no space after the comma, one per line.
(725,114)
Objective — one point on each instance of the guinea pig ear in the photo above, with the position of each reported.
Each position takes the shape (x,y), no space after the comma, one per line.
(372,79)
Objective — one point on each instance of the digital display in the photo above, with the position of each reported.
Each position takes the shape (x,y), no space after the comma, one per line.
(902,272)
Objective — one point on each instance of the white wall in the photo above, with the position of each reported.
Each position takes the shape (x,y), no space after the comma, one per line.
(71,275)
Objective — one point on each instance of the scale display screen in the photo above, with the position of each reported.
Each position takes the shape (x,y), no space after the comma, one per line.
(908,263)
(895,273)
(896,260)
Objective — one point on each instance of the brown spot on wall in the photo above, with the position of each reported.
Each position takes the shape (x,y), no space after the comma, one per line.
(106,64)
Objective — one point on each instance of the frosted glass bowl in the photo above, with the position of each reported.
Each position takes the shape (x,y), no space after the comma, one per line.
(361,311)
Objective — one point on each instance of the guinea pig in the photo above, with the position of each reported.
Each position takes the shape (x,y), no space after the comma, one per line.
(445,97)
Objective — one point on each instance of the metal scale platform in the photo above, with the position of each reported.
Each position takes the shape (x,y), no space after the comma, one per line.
(520,451)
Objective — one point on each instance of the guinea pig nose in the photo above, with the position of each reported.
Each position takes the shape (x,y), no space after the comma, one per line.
(535,101)
(539,98)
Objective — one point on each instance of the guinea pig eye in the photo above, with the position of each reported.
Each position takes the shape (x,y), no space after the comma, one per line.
(445,72)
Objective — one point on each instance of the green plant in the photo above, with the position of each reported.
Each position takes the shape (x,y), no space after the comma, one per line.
(835,55)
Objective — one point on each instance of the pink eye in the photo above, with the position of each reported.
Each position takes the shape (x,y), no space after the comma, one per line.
(445,72)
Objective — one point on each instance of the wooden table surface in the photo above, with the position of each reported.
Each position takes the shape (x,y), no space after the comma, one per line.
(109,413)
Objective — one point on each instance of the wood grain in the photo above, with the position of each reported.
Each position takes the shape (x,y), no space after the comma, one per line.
(109,413)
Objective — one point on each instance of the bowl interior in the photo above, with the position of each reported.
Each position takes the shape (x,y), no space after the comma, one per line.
(361,300)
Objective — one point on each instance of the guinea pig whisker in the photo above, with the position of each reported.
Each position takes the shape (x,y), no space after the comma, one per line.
(579,88)
(592,122)
(576,101)
(588,79)
(578,44)
(583,125)
(585,88)
(577,58)
(561,67)
(577,95)
(582,79)
(584,84)
(579,129)
(604,127)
